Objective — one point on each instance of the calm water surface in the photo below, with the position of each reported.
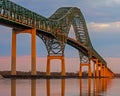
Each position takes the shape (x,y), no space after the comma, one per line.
(60,87)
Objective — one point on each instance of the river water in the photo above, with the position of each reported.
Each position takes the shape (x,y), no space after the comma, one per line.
(60,87)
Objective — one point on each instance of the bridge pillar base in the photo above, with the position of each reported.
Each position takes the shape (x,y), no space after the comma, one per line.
(97,68)
(55,57)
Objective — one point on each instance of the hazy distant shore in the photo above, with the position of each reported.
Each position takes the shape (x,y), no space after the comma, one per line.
(21,74)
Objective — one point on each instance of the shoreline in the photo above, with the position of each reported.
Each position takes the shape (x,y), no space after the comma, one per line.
(48,77)
(42,75)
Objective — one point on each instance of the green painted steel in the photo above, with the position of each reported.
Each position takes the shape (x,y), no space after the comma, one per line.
(57,25)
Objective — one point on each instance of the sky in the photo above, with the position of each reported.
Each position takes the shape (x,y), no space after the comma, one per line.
(103,23)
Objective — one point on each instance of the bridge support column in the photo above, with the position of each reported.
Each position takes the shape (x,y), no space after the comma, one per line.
(94,70)
(96,67)
(80,72)
(48,66)
(89,69)
(107,72)
(13,57)
(104,71)
(62,67)
(101,70)
(33,52)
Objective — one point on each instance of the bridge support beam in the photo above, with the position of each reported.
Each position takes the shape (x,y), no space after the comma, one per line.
(89,69)
(33,50)
(55,57)
(96,68)
(104,71)
(101,70)
(13,57)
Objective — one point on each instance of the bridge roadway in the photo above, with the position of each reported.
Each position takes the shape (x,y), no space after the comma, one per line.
(57,26)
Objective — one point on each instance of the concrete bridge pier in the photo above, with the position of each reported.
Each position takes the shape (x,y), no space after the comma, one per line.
(104,71)
(89,69)
(101,70)
(33,50)
(95,68)
(13,57)
(49,58)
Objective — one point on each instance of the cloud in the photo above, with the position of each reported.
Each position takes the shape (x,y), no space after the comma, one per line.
(112,2)
(103,3)
(105,38)
(104,27)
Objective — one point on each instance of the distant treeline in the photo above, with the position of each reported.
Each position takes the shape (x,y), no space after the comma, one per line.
(117,75)
(84,74)
(41,73)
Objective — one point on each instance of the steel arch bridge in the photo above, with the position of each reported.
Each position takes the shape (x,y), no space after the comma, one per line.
(54,33)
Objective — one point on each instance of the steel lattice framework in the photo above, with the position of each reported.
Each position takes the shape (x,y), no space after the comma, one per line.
(53,30)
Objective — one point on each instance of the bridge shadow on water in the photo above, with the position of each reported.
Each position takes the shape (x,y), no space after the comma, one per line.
(64,87)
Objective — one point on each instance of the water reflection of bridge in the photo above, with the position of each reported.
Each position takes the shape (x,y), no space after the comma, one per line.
(54,33)
(93,87)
